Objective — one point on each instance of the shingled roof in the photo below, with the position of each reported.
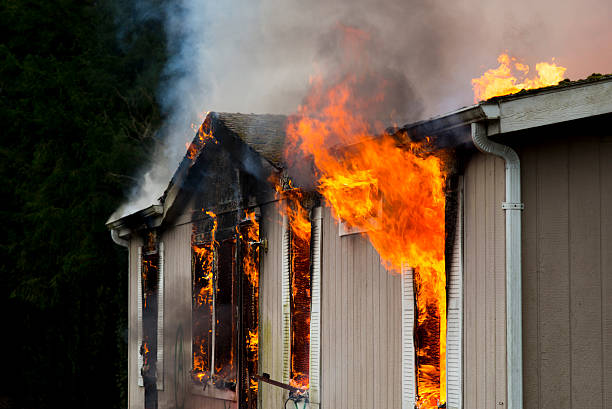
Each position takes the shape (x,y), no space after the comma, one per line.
(265,134)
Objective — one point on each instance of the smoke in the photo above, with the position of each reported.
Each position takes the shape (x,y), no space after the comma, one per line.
(257,56)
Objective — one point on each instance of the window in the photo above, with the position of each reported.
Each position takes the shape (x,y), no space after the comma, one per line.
(150,317)
(301,296)
(413,335)
(225,312)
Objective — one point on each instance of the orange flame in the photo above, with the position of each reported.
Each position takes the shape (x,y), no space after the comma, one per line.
(393,193)
(203,135)
(249,234)
(205,258)
(299,219)
(502,81)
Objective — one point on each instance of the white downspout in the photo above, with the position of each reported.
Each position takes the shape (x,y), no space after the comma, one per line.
(118,240)
(512,207)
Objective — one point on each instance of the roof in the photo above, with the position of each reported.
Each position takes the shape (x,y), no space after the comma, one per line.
(565,83)
(264,135)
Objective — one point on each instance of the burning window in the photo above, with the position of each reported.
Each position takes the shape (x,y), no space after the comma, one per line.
(225,312)
(298,286)
(150,305)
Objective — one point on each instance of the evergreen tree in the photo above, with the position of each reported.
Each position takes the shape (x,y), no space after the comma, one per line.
(78,115)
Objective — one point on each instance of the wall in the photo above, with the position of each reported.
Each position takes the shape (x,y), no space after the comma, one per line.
(360,324)
(135,392)
(484,329)
(567,268)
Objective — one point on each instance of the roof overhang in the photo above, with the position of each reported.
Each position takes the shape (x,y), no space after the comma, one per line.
(503,115)
(523,111)
(150,217)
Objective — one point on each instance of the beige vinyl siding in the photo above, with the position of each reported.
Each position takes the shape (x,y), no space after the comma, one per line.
(484,336)
(177,390)
(270,308)
(177,314)
(360,324)
(567,272)
(135,392)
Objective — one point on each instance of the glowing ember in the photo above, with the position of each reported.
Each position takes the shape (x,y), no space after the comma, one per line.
(394,193)
(503,79)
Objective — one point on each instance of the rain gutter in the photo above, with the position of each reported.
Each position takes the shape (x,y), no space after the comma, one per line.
(512,207)
(118,240)
(121,227)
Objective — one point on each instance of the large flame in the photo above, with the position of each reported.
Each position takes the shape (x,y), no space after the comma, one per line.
(393,193)
(505,80)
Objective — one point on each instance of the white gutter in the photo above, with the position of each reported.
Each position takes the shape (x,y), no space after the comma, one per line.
(118,240)
(512,207)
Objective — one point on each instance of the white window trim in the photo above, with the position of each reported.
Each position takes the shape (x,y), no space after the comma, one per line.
(286,299)
(139,319)
(160,319)
(315,311)
(408,348)
(454,343)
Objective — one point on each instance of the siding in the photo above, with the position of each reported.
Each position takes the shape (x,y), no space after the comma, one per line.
(270,308)
(177,391)
(567,272)
(360,324)
(135,392)
(484,336)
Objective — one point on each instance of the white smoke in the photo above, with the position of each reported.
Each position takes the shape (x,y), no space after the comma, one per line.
(257,56)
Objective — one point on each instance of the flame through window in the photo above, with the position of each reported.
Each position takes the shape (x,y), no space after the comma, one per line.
(225,314)
(300,286)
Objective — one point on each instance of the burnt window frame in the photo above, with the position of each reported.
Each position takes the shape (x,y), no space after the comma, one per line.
(316,216)
(454,285)
(159,250)
(234,392)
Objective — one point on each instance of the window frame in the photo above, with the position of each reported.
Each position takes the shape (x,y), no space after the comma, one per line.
(160,318)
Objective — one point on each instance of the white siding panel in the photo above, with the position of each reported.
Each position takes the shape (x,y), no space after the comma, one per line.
(286,302)
(160,319)
(454,335)
(315,314)
(139,303)
(408,353)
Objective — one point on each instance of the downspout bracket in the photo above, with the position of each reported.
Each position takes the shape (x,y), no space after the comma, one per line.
(513,206)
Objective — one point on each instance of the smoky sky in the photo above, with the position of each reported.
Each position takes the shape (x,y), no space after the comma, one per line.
(257,56)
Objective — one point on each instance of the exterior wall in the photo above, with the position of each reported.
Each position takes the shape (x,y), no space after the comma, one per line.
(177,391)
(567,271)
(484,328)
(270,308)
(360,324)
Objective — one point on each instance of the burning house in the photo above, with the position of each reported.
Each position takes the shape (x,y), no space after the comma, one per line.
(467,266)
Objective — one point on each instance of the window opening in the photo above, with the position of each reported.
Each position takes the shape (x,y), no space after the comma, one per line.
(300,281)
(225,307)
(149,280)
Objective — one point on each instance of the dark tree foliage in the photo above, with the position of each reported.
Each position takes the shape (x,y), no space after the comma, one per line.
(77,116)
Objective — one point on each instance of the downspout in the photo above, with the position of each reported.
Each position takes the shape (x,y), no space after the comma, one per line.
(512,207)
(118,240)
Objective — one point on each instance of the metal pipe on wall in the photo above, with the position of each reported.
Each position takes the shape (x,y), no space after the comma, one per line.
(512,206)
